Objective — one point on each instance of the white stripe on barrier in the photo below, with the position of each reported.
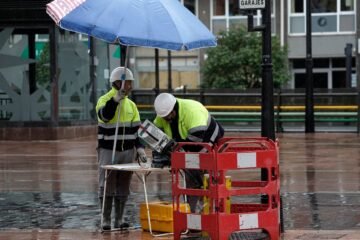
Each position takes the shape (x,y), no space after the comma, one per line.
(246,160)
(192,160)
(248,221)
(193,221)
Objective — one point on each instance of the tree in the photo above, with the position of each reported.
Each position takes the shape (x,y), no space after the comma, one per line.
(236,61)
(42,66)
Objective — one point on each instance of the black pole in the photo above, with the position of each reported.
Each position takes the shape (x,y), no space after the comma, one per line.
(92,70)
(122,55)
(348,57)
(32,66)
(309,99)
(169,72)
(157,77)
(278,110)
(267,86)
(358,64)
(54,74)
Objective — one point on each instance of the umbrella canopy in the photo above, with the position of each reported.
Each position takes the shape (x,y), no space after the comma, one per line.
(165,24)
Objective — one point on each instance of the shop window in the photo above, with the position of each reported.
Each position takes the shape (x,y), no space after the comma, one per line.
(25,76)
(74,85)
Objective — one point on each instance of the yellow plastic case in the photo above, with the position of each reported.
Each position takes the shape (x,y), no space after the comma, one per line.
(161,215)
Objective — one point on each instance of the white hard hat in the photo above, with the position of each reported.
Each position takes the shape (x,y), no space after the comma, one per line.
(117,73)
(164,104)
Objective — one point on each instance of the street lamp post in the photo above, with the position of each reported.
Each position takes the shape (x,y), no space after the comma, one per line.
(267,89)
(267,85)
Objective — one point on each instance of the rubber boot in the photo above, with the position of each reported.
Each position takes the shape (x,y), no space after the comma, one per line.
(106,224)
(119,211)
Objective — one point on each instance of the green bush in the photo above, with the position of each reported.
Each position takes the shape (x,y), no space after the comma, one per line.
(236,61)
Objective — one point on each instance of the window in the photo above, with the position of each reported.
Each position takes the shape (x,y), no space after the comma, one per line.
(341,62)
(339,79)
(328,16)
(234,8)
(320,80)
(297,6)
(327,73)
(227,13)
(321,63)
(24,90)
(347,5)
(191,5)
(323,6)
(219,7)
(299,63)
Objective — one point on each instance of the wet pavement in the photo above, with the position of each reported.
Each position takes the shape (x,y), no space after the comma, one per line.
(48,189)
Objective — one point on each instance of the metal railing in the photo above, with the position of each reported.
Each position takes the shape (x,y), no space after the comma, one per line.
(234,107)
(332,108)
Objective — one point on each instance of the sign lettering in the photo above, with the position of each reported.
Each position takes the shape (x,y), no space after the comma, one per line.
(252,4)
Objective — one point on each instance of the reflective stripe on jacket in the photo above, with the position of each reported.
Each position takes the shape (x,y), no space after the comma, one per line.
(194,123)
(107,111)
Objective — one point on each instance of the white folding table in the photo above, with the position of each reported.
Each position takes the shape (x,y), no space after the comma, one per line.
(141,173)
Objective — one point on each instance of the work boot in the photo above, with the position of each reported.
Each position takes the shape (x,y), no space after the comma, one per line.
(119,211)
(106,215)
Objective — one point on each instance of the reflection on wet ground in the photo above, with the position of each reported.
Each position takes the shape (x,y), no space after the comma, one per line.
(53,185)
(26,210)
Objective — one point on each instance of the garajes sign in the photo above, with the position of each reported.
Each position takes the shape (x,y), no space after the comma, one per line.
(252,4)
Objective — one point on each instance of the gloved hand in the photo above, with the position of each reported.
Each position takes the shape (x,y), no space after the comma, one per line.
(142,155)
(120,94)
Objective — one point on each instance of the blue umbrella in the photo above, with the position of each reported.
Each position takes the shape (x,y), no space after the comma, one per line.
(165,24)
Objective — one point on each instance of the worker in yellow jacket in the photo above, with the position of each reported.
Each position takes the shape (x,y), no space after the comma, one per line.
(186,120)
(107,109)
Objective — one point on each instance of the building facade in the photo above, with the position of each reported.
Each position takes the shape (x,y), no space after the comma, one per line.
(334,26)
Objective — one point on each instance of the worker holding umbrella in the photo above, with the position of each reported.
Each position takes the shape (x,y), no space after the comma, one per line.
(109,106)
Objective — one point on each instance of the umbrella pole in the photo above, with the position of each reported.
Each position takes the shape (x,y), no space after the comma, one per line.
(118,115)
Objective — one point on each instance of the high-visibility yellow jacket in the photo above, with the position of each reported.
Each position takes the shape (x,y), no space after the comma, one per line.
(195,124)
(107,112)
